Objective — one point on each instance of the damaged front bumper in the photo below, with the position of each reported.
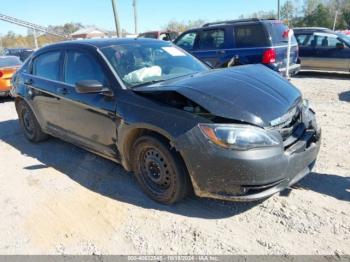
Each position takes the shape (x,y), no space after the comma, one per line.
(247,175)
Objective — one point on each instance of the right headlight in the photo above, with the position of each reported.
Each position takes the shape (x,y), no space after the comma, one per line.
(239,137)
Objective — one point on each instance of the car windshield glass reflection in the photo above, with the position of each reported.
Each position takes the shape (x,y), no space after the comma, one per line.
(138,64)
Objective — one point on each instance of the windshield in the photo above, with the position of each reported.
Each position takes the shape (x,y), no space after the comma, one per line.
(9,61)
(142,63)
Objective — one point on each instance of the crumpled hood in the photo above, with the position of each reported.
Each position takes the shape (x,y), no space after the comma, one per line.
(253,93)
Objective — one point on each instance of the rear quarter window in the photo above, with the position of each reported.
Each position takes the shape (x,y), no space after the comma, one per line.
(279,33)
(252,35)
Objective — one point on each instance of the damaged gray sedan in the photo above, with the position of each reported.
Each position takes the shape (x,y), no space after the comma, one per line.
(238,134)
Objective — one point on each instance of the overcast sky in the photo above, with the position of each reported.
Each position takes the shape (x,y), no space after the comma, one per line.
(153,14)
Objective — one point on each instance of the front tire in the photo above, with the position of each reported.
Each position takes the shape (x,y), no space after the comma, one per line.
(159,170)
(29,123)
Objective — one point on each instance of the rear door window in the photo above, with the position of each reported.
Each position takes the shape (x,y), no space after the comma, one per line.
(328,42)
(253,35)
(187,40)
(81,66)
(47,65)
(212,39)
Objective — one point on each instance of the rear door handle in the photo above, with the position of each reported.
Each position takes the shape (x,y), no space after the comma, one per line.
(221,52)
(62,90)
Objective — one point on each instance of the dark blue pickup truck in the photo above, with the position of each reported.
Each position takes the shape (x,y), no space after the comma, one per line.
(240,42)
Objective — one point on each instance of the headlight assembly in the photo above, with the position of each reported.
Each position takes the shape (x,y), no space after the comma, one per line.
(239,137)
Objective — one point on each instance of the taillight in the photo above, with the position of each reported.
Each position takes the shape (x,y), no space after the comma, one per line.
(1,73)
(269,56)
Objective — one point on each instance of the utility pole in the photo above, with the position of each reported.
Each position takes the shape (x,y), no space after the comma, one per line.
(278,10)
(335,19)
(35,39)
(135,16)
(116,18)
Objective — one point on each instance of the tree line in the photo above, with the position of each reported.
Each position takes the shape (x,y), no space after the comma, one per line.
(12,40)
(295,13)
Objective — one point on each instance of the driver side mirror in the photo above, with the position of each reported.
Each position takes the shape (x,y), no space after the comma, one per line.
(92,86)
(340,46)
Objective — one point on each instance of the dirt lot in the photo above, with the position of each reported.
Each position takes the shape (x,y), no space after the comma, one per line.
(57,198)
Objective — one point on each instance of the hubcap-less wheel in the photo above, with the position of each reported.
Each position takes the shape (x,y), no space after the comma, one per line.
(159,170)
(28,122)
(155,170)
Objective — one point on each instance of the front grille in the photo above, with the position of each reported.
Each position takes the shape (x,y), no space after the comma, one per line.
(287,130)
(292,126)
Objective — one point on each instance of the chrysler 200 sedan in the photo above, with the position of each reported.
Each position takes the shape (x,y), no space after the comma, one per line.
(240,133)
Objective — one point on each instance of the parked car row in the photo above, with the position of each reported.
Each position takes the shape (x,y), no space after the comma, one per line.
(247,41)
(252,41)
(239,42)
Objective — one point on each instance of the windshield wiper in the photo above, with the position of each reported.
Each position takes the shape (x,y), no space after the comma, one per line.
(149,83)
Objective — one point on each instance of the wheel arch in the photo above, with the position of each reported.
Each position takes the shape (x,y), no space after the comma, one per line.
(21,98)
(129,138)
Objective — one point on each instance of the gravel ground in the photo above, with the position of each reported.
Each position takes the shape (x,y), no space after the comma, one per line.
(56,198)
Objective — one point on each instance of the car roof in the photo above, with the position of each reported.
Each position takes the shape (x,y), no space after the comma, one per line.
(316,30)
(313,29)
(9,56)
(237,21)
(101,43)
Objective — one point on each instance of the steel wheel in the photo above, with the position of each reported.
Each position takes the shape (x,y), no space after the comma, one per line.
(159,170)
(155,170)
(29,123)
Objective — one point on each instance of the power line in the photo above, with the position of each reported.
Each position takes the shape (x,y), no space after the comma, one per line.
(29,25)
(26,24)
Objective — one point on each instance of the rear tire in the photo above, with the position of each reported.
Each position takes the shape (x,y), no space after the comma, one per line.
(29,123)
(159,170)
